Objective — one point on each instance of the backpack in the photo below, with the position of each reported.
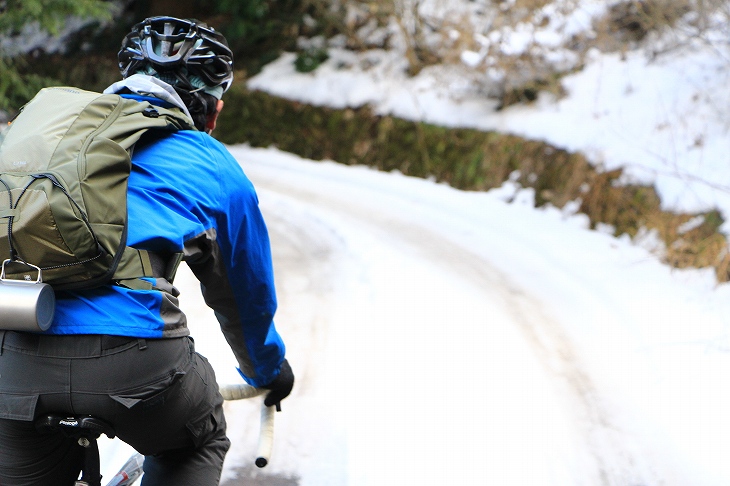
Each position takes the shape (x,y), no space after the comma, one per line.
(64,165)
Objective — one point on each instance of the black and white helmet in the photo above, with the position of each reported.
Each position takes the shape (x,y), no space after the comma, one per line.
(186,50)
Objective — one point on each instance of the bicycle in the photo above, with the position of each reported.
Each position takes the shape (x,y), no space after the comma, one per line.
(87,429)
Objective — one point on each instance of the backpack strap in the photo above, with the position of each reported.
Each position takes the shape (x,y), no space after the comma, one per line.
(136,264)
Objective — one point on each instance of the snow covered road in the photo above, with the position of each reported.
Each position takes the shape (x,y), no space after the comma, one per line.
(421,359)
(443,337)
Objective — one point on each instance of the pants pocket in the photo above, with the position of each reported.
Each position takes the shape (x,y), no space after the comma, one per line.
(17,407)
(207,421)
(148,395)
(201,430)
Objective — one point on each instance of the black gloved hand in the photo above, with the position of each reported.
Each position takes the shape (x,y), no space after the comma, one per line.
(280,387)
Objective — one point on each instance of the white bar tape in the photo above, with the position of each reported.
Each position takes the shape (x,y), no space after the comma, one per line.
(266,432)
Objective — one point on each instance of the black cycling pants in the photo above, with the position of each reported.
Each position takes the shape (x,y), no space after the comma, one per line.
(160,396)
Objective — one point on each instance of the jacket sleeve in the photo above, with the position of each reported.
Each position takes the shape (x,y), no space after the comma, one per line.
(232,261)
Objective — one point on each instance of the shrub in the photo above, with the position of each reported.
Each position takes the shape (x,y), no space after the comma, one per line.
(473,160)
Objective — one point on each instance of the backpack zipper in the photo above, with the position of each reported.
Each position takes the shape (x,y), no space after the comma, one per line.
(109,120)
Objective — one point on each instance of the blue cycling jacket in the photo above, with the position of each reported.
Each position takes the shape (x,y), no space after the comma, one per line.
(188,194)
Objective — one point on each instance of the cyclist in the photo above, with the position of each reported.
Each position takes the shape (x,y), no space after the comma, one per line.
(125,355)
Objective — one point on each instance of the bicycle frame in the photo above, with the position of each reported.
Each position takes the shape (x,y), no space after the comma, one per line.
(130,471)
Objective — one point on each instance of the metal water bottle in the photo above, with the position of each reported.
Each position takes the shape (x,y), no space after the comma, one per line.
(25,305)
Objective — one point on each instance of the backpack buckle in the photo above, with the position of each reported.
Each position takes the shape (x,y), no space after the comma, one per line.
(150,112)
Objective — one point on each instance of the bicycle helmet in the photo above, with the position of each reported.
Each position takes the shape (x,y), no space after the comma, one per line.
(186,53)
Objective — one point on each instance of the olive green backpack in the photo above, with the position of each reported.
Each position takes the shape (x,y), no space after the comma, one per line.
(64,165)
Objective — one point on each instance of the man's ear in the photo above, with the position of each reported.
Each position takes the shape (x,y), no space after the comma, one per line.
(213,117)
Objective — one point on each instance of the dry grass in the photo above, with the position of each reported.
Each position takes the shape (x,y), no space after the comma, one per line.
(430,33)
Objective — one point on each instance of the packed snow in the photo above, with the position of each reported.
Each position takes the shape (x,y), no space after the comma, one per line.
(450,337)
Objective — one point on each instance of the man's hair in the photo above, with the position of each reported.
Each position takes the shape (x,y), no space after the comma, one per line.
(200,105)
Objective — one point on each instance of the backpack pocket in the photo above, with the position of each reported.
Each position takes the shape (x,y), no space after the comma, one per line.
(41,223)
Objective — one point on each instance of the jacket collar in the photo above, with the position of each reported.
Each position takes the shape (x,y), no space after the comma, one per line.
(145,85)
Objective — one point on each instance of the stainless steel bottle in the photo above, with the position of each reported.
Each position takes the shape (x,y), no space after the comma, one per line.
(25,305)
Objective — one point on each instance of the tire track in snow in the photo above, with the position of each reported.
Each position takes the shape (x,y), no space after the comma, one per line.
(548,341)
(312,254)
